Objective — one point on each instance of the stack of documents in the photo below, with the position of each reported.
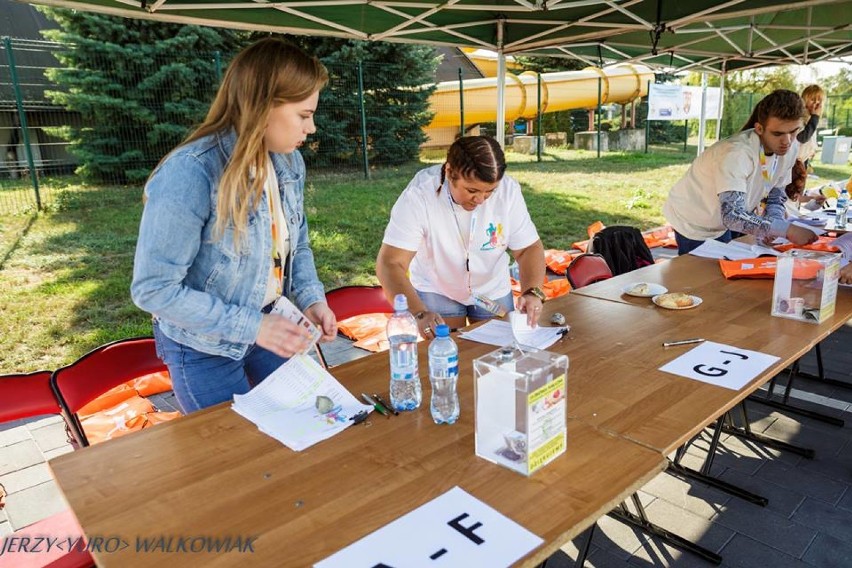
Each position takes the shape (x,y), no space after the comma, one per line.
(732,251)
(299,404)
(500,333)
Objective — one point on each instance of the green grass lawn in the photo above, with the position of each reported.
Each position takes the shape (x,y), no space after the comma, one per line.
(65,273)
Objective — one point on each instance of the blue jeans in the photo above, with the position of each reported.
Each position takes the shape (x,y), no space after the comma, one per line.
(200,380)
(447,307)
(685,245)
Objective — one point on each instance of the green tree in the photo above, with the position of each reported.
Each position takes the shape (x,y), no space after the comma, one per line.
(549,64)
(398,79)
(138,86)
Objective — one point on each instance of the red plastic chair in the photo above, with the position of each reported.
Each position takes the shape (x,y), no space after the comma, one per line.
(24,396)
(586,269)
(97,372)
(351,301)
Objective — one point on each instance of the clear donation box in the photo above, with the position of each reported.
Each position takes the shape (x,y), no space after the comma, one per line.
(806,285)
(521,407)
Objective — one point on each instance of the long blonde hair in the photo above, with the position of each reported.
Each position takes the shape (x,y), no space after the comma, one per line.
(266,74)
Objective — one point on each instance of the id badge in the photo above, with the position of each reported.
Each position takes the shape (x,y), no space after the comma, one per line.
(489,305)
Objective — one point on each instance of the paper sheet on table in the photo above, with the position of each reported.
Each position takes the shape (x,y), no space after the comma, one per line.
(454,529)
(732,250)
(719,364)
(500,333)
(815,230)
(285,404)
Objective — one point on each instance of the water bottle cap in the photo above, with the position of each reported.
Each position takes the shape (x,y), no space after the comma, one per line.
(400,303)
(442,330)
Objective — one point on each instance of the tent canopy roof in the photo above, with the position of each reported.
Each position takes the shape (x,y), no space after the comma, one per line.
(673,34)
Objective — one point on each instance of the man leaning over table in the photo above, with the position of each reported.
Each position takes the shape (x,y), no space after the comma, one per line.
(737,185)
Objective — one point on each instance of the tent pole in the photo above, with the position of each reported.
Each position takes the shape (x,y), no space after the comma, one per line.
(702,126)
(721,100)
(500,134)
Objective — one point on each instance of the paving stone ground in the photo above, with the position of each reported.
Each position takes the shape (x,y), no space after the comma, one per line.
(808,522)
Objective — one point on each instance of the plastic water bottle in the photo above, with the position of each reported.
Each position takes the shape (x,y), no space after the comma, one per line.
(842,208)
(405,390)
(444,375)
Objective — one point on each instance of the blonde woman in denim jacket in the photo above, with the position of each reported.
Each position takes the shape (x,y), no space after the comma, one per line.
(224,233)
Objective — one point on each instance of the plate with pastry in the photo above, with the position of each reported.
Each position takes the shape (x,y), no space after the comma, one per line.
(676,301)
(644,289)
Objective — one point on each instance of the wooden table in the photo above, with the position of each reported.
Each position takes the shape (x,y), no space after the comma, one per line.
(615,348)
(213,473)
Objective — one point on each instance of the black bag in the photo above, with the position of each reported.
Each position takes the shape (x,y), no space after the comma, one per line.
(622,247)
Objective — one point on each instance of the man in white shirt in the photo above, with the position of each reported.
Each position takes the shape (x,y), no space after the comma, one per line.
(738,183)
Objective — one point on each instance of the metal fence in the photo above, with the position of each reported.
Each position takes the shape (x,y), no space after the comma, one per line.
(364,119)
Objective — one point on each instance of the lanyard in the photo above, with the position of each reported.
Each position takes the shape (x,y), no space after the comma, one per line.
(461,235)
(767,172)
(277,265)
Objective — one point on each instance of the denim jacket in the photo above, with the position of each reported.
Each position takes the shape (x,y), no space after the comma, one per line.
(204,292)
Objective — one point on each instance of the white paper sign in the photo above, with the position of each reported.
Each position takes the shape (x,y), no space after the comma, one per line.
(679,102)
(454,529)
(719,364)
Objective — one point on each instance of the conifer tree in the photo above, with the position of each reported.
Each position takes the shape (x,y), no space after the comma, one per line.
(138,86)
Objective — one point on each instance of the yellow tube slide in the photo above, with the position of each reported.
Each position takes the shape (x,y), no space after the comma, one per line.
(564,90)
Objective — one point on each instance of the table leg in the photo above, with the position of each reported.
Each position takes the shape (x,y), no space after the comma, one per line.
(746,433)
(641,522)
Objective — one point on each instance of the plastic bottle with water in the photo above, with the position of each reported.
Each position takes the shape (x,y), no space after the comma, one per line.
(405,389)
(444,375)
(842,209)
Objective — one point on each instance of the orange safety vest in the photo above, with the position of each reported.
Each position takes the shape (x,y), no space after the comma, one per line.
(764,267)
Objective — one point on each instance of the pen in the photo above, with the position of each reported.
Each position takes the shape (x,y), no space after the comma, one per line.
(682,342)
(379,408)
(386,405)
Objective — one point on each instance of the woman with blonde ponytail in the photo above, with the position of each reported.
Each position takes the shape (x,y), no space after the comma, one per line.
(224,235)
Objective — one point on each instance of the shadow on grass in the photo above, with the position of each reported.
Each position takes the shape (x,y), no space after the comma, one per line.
(88,249)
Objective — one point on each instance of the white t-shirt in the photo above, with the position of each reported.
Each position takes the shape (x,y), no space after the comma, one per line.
(425,222)
(732,164)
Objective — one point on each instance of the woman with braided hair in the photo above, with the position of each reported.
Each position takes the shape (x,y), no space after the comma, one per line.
(445,245)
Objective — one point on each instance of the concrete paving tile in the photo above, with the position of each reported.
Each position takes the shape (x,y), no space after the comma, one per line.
(13,436)
(50,454)
(809,482)
(846,501)
(26,478)
(646,498)
(692,496)
(782,500)
(805,435)
(34,504)
(837,467)
(744,552)
(5,529)
(825,518)
(618,538)
(765,526)
(45,421)
(50,437)
(751,455)
(19,456)
(688,525)
(602,558)
(829,552)
(658,553)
